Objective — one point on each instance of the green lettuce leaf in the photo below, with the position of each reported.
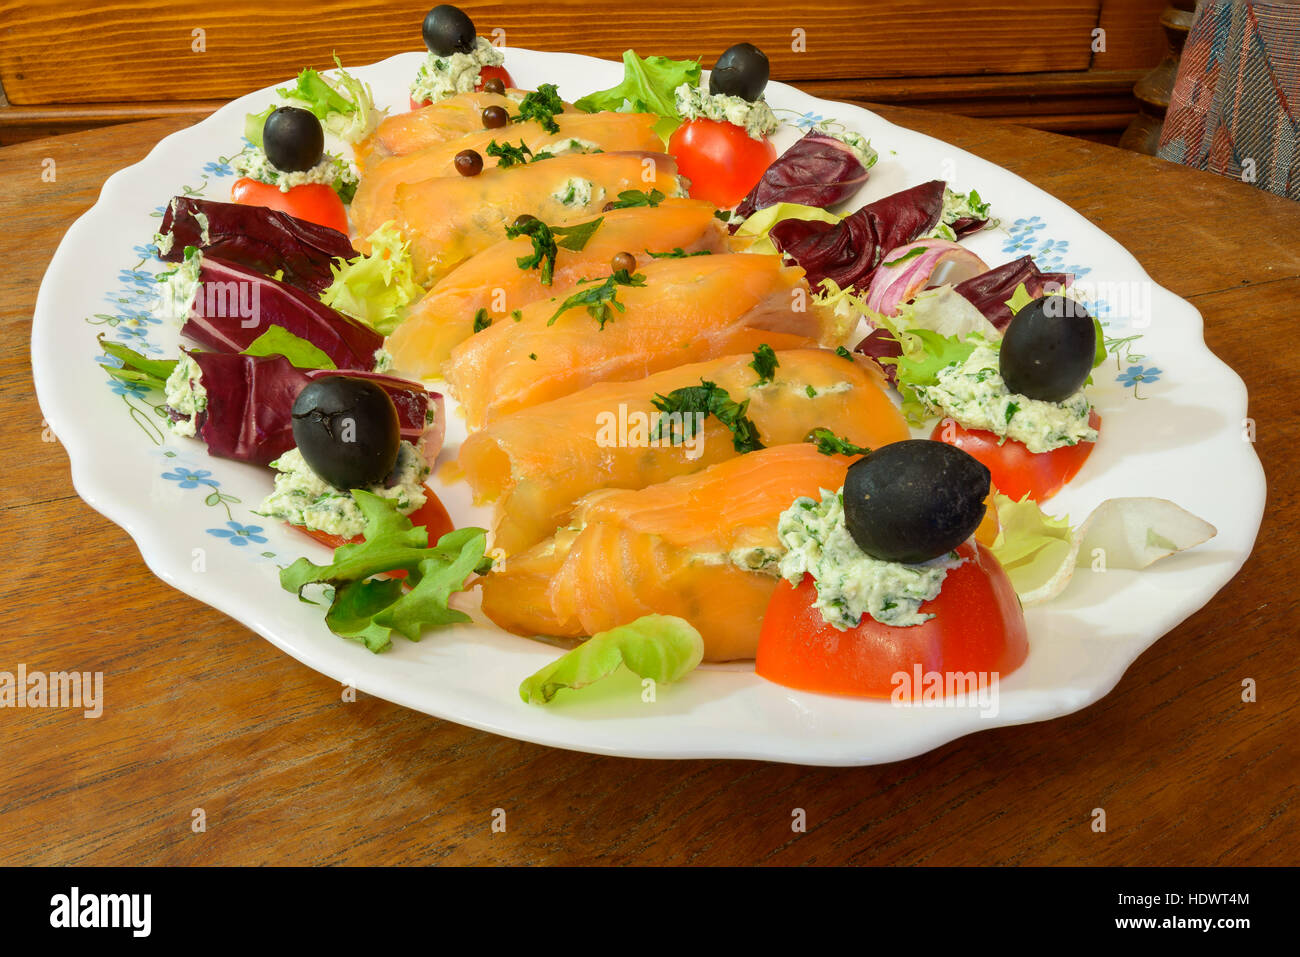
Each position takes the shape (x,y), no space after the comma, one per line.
(376,289)
(152,373)
(369,610)
(344,105)
(757,227)
(1041,553)
(1031,545)
(660,647)
(925,353)
(647,87)
(253,123)
(279,341)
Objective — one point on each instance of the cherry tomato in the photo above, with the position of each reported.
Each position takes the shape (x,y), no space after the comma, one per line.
(977,627)
(1016,471)
(721,160)
(314,202)
(432,515)
(494,73)
(484,74)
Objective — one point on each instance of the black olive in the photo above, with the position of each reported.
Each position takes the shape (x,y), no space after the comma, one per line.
(914,500)
(495,117)
(1048,349)
(448,30)
(623,261)
(494,85)
(347,431)
(293,139)
(741,71)
(469,163)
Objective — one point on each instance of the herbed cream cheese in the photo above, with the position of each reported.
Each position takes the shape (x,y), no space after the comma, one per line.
(178,286)
(185,394)
(975,395)
(756,118)
(572,144)
(576,191)
(442,76)
(331,171)
(849,582)
(958,206)
(302,497)
(383,360)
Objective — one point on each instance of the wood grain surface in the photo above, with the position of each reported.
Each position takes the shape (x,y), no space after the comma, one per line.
(201,713)
(144,49)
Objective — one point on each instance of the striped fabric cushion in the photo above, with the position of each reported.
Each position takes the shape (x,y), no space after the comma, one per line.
(1235,108)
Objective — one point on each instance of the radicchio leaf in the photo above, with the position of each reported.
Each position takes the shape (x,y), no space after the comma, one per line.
(234,305)
(265,240)
(849,251)
(818,170)
(250,403)
(989,291)
(882,344)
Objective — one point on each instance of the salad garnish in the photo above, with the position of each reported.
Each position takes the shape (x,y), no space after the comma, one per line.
(658,648)
(368,608)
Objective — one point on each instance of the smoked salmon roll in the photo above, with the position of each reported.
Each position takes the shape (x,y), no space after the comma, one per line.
(703,547)
(536,464)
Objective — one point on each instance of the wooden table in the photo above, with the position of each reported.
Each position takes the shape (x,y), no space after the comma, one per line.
(204,714)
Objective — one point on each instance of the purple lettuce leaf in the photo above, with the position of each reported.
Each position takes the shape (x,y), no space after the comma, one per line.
(259,238)
(818,170)
(250,403)
(989,291)
(881,344)
(234,305)
(849,251)
(967,225)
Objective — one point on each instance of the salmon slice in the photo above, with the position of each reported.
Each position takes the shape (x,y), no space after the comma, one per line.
(593,131)
(688,310)
(492,280)
(447,119)
(536,464)
(448,220)
(703,547)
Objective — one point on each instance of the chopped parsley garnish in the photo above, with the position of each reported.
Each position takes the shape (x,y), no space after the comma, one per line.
(635,197)
(679,253)
(517,315)
(706,399)
(575,237)
(812,393)
(724,215)
(828,443)
(600,300)
(532,355)
(910,254)
(843,353)
(543,247)
(481,320)
(764,363)
(545,242)
(508,154)
(1012,409)
(541,105)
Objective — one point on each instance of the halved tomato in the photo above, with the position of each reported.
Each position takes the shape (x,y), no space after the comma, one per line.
(313,202)
(721,160)
(977,627)
(1015,470)
(484,74)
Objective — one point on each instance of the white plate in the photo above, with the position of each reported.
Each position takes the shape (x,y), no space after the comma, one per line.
(1181,440)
